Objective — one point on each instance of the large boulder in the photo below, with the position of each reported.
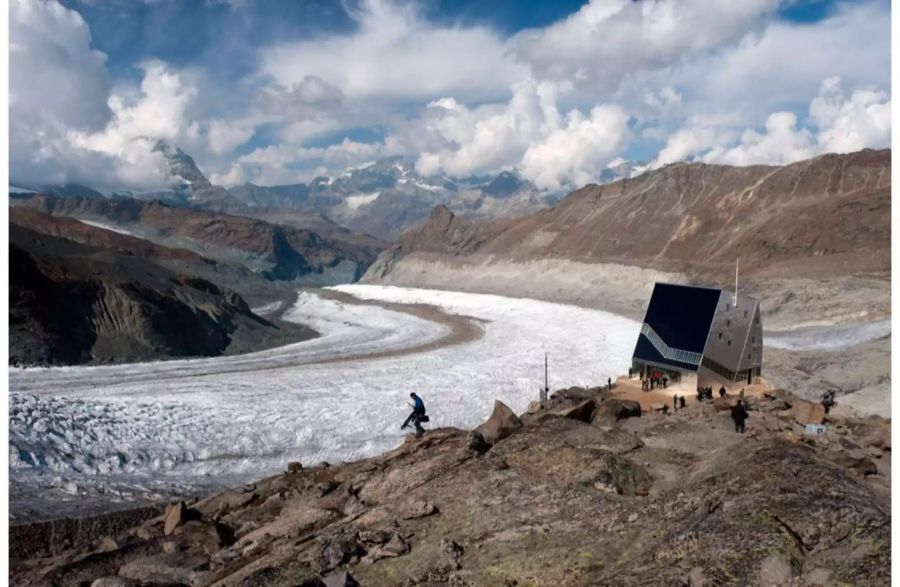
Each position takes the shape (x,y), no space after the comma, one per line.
(574,394)
(622,476)
(476,442)
(501,424)
(176,515)
(208,535)
(179,568)
(416,508)
(804,412)
(581,411)
(874,432)
(724,404)
(613,410)
(339,550)
(534,407)
(862,466)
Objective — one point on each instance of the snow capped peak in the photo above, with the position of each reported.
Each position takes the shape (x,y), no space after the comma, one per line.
(182,168)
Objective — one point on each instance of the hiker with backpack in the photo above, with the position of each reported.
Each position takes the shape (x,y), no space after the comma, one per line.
(417,416)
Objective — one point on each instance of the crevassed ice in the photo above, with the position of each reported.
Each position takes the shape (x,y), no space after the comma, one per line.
(828,338)
(204,422)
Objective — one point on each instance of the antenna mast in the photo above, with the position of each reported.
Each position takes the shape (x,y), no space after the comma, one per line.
(736,264)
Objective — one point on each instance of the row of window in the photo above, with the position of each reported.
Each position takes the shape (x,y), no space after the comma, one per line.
(752,339)
(727,373)
(718,369)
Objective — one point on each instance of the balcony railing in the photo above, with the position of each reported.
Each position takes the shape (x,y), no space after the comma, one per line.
(668,352)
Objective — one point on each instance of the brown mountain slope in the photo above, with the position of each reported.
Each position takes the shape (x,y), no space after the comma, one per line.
(75,230)
(182,261)
(278,252)
(827,215)
(72,303)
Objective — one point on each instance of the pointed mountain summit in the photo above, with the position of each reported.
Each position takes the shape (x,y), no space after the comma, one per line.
(182,167)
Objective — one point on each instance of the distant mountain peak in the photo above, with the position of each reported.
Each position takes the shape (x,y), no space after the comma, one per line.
(503,184)
(181,166)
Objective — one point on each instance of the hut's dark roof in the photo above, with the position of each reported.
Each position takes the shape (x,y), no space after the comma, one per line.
(682,315)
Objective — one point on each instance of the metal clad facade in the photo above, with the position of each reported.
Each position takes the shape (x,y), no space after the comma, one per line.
(735,333)
(751,358)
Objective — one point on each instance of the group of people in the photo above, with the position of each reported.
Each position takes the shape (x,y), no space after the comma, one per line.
(678,402)
(706,393)
(656,380)
(738,411)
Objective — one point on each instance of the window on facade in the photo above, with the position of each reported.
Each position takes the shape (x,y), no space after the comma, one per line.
(720,336)
(745,313)
(728,323)
(727,307)
(752,339)
(729,343)
(748,355)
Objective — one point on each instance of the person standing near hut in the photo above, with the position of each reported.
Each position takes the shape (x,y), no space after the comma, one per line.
(739,415)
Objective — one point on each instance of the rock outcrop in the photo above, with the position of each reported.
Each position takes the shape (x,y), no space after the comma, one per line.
(501,424)
(613,410)
(558,502)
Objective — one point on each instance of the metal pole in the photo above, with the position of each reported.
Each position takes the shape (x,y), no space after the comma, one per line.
(546,389)
(546,378)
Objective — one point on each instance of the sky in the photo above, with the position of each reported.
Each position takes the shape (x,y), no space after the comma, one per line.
(279,91)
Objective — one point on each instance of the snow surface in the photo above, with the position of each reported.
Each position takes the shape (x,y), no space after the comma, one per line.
(130,431)
(828,338)
(354,202)
(105,226)
(267,309)
(424,186)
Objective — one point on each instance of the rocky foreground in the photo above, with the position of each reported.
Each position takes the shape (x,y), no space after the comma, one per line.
(585,490)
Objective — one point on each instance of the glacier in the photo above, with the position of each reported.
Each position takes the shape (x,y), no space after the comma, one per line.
(150,430)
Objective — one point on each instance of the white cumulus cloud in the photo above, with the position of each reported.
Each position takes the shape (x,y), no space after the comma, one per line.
(57,83)
(224,137)
(837,123)
(395,53)
(849,124)
(607,40)
(657,80)
(529,132)
(158,113)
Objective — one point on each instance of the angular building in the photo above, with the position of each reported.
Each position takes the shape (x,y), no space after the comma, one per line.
(698,332)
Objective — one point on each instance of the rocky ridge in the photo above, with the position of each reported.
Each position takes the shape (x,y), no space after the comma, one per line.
(388,196)
(73,303)
(825,216)
(278,253)
(580,491)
